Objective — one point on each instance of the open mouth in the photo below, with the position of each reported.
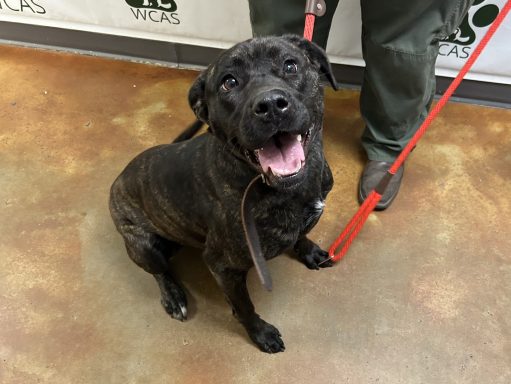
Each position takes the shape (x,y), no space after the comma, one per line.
(283,155)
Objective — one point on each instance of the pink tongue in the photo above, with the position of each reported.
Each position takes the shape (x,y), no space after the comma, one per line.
(284,158)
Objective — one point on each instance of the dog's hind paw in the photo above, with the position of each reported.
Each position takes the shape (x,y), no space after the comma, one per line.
(174,302)
(267,337)
(177,310)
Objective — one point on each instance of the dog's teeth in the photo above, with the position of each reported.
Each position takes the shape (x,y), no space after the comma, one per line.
(299,138)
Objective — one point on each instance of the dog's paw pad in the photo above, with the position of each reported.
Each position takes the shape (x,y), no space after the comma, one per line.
(268,338)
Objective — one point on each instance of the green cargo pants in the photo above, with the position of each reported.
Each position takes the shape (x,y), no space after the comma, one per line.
(400,46)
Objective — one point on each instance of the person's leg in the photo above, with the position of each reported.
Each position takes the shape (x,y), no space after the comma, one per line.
(400,46)
(287,16)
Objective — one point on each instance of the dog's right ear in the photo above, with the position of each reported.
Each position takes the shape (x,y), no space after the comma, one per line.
(197,98)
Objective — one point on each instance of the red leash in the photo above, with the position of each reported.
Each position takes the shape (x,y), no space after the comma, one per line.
(357,222)
(313,8)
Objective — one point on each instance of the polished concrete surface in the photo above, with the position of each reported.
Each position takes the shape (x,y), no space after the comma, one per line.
(423,296)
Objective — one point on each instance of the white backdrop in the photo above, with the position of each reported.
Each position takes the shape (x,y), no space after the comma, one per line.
(222,23)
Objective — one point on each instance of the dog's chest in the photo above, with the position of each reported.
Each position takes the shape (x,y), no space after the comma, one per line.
(280,226)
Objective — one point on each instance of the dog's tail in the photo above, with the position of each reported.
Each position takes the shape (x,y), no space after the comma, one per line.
(189,132)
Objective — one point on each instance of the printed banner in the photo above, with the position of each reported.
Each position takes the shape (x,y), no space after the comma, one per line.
(224,22)
(207,23)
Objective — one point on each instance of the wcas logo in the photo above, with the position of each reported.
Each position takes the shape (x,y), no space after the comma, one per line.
(472,22)
(161,5)
(156,11)
(459,44)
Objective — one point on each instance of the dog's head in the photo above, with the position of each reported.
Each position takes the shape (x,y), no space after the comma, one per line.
(264,97)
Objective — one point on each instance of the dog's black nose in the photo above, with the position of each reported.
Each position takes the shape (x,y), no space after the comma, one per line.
(271,104)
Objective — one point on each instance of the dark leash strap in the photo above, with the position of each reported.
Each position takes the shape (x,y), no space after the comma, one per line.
(254,245)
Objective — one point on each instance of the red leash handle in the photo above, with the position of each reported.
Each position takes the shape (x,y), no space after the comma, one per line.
(309,26)
(357,222)
(313,8)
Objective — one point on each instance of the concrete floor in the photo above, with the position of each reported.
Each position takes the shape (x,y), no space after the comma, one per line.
(424,295)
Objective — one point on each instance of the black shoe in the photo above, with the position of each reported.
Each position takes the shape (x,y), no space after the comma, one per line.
(371,176)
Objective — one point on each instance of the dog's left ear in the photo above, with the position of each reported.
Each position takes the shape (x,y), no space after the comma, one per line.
(316,55)
(197,98)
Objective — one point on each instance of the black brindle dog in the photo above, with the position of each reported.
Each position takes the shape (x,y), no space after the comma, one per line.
(263,103)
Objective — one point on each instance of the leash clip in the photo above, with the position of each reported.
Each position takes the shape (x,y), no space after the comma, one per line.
(315,7)
(384,182)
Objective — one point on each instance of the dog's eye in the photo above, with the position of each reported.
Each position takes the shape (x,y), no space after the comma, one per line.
(229,83)
(290,67)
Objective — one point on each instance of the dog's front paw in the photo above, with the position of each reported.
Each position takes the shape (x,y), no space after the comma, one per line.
(266,337)
(316,258)
(311,254)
